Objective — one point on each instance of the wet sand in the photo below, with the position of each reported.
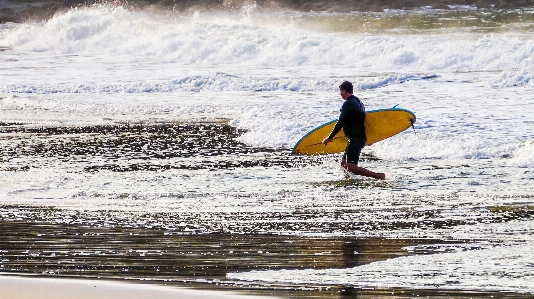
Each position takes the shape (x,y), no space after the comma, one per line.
(144,256)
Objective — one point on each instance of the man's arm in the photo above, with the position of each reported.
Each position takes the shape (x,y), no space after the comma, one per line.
(339,125)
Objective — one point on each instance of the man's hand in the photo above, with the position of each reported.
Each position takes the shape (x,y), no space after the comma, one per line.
(326,141)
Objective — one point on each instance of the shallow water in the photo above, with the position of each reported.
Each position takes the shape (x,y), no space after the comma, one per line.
(203,260)
(171,135)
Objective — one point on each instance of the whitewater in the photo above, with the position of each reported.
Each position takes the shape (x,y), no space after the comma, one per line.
(462,177)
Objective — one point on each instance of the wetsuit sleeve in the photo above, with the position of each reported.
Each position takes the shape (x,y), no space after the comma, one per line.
(340,123)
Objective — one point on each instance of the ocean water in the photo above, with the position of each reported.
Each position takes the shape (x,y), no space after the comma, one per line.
(182,124)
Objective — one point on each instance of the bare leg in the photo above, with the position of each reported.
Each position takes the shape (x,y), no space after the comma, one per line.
(355,169)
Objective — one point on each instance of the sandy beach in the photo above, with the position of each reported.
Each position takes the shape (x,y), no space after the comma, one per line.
(16,287)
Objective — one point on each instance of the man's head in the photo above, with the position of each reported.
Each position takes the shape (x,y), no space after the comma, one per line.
(347,86)
(346,89)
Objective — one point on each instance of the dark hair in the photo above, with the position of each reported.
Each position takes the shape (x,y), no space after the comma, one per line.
(347,86)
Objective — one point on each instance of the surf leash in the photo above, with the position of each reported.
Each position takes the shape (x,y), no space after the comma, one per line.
(411,120)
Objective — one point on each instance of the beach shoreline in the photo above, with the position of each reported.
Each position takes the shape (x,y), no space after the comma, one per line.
(30,287)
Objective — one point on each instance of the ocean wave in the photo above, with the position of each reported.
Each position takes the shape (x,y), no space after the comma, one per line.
(218,82)
(261,40)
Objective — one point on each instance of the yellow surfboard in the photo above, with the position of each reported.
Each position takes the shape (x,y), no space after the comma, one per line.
(379,125)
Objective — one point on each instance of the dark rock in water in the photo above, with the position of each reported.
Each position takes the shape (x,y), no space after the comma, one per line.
(440,6)
(69,3)
(482,4)
(503,5)
(402,4)
(21,11)
(7,15)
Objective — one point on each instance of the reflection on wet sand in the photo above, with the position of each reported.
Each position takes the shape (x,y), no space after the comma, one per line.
(159,256)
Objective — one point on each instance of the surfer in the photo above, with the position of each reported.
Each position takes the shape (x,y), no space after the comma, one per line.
(351,120)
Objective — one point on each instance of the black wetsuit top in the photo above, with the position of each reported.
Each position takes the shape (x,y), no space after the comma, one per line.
(351,120)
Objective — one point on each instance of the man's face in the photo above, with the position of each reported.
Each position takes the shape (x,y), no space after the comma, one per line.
(343,93)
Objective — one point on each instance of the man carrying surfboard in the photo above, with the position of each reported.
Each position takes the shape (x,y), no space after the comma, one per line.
(351,120)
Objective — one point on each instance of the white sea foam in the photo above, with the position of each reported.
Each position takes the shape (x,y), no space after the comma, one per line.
(523,155)
(514,78)
(428,145)
(217,82)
